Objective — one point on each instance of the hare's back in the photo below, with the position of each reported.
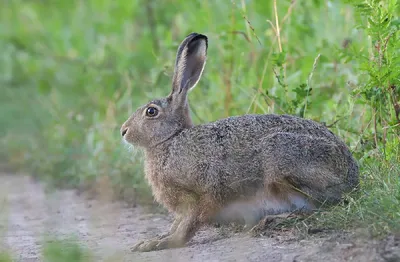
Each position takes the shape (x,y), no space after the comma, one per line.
(238,136)
(259,126)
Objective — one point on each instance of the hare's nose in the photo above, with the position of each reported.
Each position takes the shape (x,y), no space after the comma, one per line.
(123,131)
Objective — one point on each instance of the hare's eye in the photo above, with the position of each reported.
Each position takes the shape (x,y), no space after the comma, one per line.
(151,111)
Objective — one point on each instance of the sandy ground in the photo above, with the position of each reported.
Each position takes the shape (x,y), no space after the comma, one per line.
(109,229)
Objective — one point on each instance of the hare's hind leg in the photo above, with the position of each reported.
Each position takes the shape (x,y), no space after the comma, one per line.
(279,200)
(304,170)
(281,197)
(271,200)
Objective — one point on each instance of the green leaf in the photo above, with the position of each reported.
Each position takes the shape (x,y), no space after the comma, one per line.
(279,58)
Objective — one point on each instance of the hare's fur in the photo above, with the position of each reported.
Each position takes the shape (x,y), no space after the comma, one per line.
(238,168)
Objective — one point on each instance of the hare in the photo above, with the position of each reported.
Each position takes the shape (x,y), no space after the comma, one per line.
(240,167)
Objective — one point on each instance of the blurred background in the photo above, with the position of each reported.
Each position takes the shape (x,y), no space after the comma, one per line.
(71,72)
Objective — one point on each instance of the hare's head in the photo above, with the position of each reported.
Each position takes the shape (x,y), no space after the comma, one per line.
(160,119)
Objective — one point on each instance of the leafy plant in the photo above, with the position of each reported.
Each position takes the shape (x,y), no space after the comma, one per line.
(379,66)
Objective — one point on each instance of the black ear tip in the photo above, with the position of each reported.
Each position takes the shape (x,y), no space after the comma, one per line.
(196,36)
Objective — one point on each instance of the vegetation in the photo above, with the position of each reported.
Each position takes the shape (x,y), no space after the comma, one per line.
(57,250)
(64,251)
(71,72)
(5,257)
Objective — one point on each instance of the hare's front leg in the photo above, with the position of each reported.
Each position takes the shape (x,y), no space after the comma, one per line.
(174,226)
(154,241)
(184,229)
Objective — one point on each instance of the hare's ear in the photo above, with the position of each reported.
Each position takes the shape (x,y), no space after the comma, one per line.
(189,65)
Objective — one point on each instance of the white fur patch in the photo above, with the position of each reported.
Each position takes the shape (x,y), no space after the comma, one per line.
(251,211)
(131,148)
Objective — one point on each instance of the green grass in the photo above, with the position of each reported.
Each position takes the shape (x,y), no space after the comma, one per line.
(56,250)
(374,208)
(71,72)
(5,257)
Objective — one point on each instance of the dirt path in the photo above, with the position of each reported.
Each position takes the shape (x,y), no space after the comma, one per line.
(27,213)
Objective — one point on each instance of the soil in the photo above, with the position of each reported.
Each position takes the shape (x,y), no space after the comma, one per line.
(29,212)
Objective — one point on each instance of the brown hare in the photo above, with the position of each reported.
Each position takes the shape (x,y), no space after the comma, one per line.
(243,166)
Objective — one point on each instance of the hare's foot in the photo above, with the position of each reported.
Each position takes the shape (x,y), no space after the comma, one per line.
(158,244)
(170,242)
(266,223)
(183,229)
(145,246)
(151,244)
(272,222)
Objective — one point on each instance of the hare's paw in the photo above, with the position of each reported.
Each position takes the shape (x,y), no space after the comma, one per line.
(149,245)
(170,242)
(146,246)
(157,244)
